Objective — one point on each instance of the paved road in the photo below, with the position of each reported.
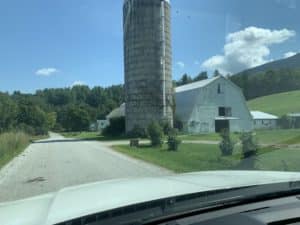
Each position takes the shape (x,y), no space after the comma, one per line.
(58,162)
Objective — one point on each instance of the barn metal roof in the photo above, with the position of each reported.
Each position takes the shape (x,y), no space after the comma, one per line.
(118,112)
(195,85)
(294,114)
(258,115)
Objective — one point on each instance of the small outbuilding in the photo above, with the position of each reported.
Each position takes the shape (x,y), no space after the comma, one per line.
(262,120)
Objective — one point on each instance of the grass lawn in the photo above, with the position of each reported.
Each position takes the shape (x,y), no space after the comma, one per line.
(284,159)
(200,137)
(266,137)
(189,157)
(271,137)
(203,157)
(288,103)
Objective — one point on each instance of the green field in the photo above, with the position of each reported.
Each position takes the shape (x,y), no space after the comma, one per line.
(277,104)
(202,157)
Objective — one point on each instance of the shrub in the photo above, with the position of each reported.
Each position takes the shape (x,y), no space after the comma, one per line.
(173,141)
(138,132)
(166,126)
(155,133)
(178,124)
(226,145)
(249,145)
(115,128)
(285,122)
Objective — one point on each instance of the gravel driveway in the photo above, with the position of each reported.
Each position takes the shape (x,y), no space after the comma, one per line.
(54,163)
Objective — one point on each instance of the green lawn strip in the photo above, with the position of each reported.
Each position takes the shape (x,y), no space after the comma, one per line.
(189,157)
(200,137)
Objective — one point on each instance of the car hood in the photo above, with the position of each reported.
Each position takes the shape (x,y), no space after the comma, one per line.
(74,202)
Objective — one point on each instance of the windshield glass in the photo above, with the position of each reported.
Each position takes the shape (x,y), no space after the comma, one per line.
(100,90)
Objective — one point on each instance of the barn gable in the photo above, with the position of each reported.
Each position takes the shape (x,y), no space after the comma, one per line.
(207,104)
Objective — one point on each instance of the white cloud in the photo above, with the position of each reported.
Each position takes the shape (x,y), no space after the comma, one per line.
(78,83)
(180,64)
(46,71)
(289,54)
(247,48)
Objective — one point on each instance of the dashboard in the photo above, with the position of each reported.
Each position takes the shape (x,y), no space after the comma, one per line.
(283,211)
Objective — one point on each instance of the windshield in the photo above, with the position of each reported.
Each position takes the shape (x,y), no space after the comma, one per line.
(100,90)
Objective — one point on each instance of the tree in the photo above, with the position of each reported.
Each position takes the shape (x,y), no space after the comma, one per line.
(8,112)
(185,79)
(217,73)
(201,76)
(32,116)
(249,145)
(51,119)
(226,145)
(156,134)
(75,119)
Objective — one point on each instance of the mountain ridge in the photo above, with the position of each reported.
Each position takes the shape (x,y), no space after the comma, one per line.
(292,62)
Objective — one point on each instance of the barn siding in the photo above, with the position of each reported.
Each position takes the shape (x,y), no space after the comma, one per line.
(199,107)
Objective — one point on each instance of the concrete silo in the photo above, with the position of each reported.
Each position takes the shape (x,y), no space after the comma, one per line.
(148,62)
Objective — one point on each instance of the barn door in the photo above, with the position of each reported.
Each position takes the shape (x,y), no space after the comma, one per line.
(221,125)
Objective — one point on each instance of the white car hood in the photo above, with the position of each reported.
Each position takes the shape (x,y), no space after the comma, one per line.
(74,202)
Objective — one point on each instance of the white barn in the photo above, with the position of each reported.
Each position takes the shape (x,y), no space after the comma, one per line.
(211,105)
(264,121)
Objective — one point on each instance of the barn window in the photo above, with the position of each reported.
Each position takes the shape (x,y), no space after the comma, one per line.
(219,88)
(221,111)
(225,111)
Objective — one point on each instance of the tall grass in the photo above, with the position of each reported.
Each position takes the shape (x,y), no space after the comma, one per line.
(12,144)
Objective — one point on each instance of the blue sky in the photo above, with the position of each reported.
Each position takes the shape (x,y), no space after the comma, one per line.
(58,43)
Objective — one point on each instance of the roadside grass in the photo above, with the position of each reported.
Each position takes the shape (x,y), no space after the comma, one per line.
(188,158)
(93,136)
(11,145)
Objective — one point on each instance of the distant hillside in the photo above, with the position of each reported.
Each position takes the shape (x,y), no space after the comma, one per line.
(288,63)
(277,104)
(268,83)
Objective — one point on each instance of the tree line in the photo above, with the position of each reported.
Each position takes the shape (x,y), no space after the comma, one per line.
(255,85)
(60,109)
(73,109)
(267,83)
